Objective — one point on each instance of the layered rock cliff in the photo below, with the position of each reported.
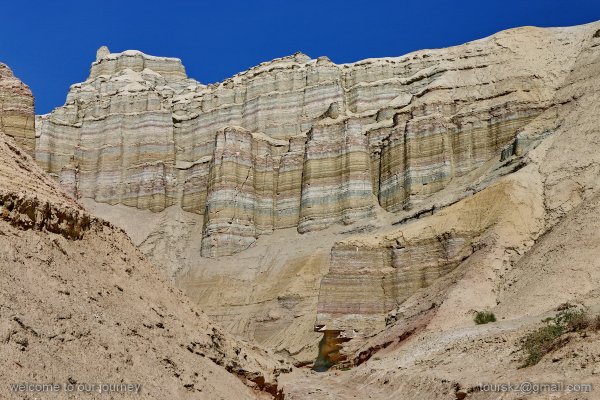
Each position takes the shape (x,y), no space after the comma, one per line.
(17,115)
(489,207)
(470,175)
(413,150)
(323,143)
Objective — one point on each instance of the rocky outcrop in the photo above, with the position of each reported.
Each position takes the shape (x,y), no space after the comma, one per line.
(258,184)
(113,140)
(321,143)
(16,110)
(336,183)
(539,258)
(30,200)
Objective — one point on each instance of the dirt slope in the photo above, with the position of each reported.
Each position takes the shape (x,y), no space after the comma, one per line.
(80,304)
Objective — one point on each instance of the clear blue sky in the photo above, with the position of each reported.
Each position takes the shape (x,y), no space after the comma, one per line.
(51,44)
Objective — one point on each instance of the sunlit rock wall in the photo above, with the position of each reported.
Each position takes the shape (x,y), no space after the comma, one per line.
(321,143)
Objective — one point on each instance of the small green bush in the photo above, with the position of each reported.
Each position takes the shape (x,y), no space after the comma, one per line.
(573,321)
(550,337)
(483,317)
(539,343)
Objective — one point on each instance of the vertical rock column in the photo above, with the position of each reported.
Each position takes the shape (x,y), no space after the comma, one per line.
(336,180)
(229,216)
(251,191)
(17,117)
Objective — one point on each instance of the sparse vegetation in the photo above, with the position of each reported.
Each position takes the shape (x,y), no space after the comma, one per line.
(484,317)
(553,335)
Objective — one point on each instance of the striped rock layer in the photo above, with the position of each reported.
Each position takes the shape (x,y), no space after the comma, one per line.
(364,283)
(16,110)
(296,142)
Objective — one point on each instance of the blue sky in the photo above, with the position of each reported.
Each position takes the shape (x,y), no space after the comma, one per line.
(51,44)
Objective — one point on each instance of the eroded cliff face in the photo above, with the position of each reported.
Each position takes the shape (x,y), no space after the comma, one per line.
(325,143)
(245,186)
(17,115)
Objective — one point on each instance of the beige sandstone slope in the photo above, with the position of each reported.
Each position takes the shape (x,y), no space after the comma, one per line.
(80,304)
(427,353)
(267,293)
